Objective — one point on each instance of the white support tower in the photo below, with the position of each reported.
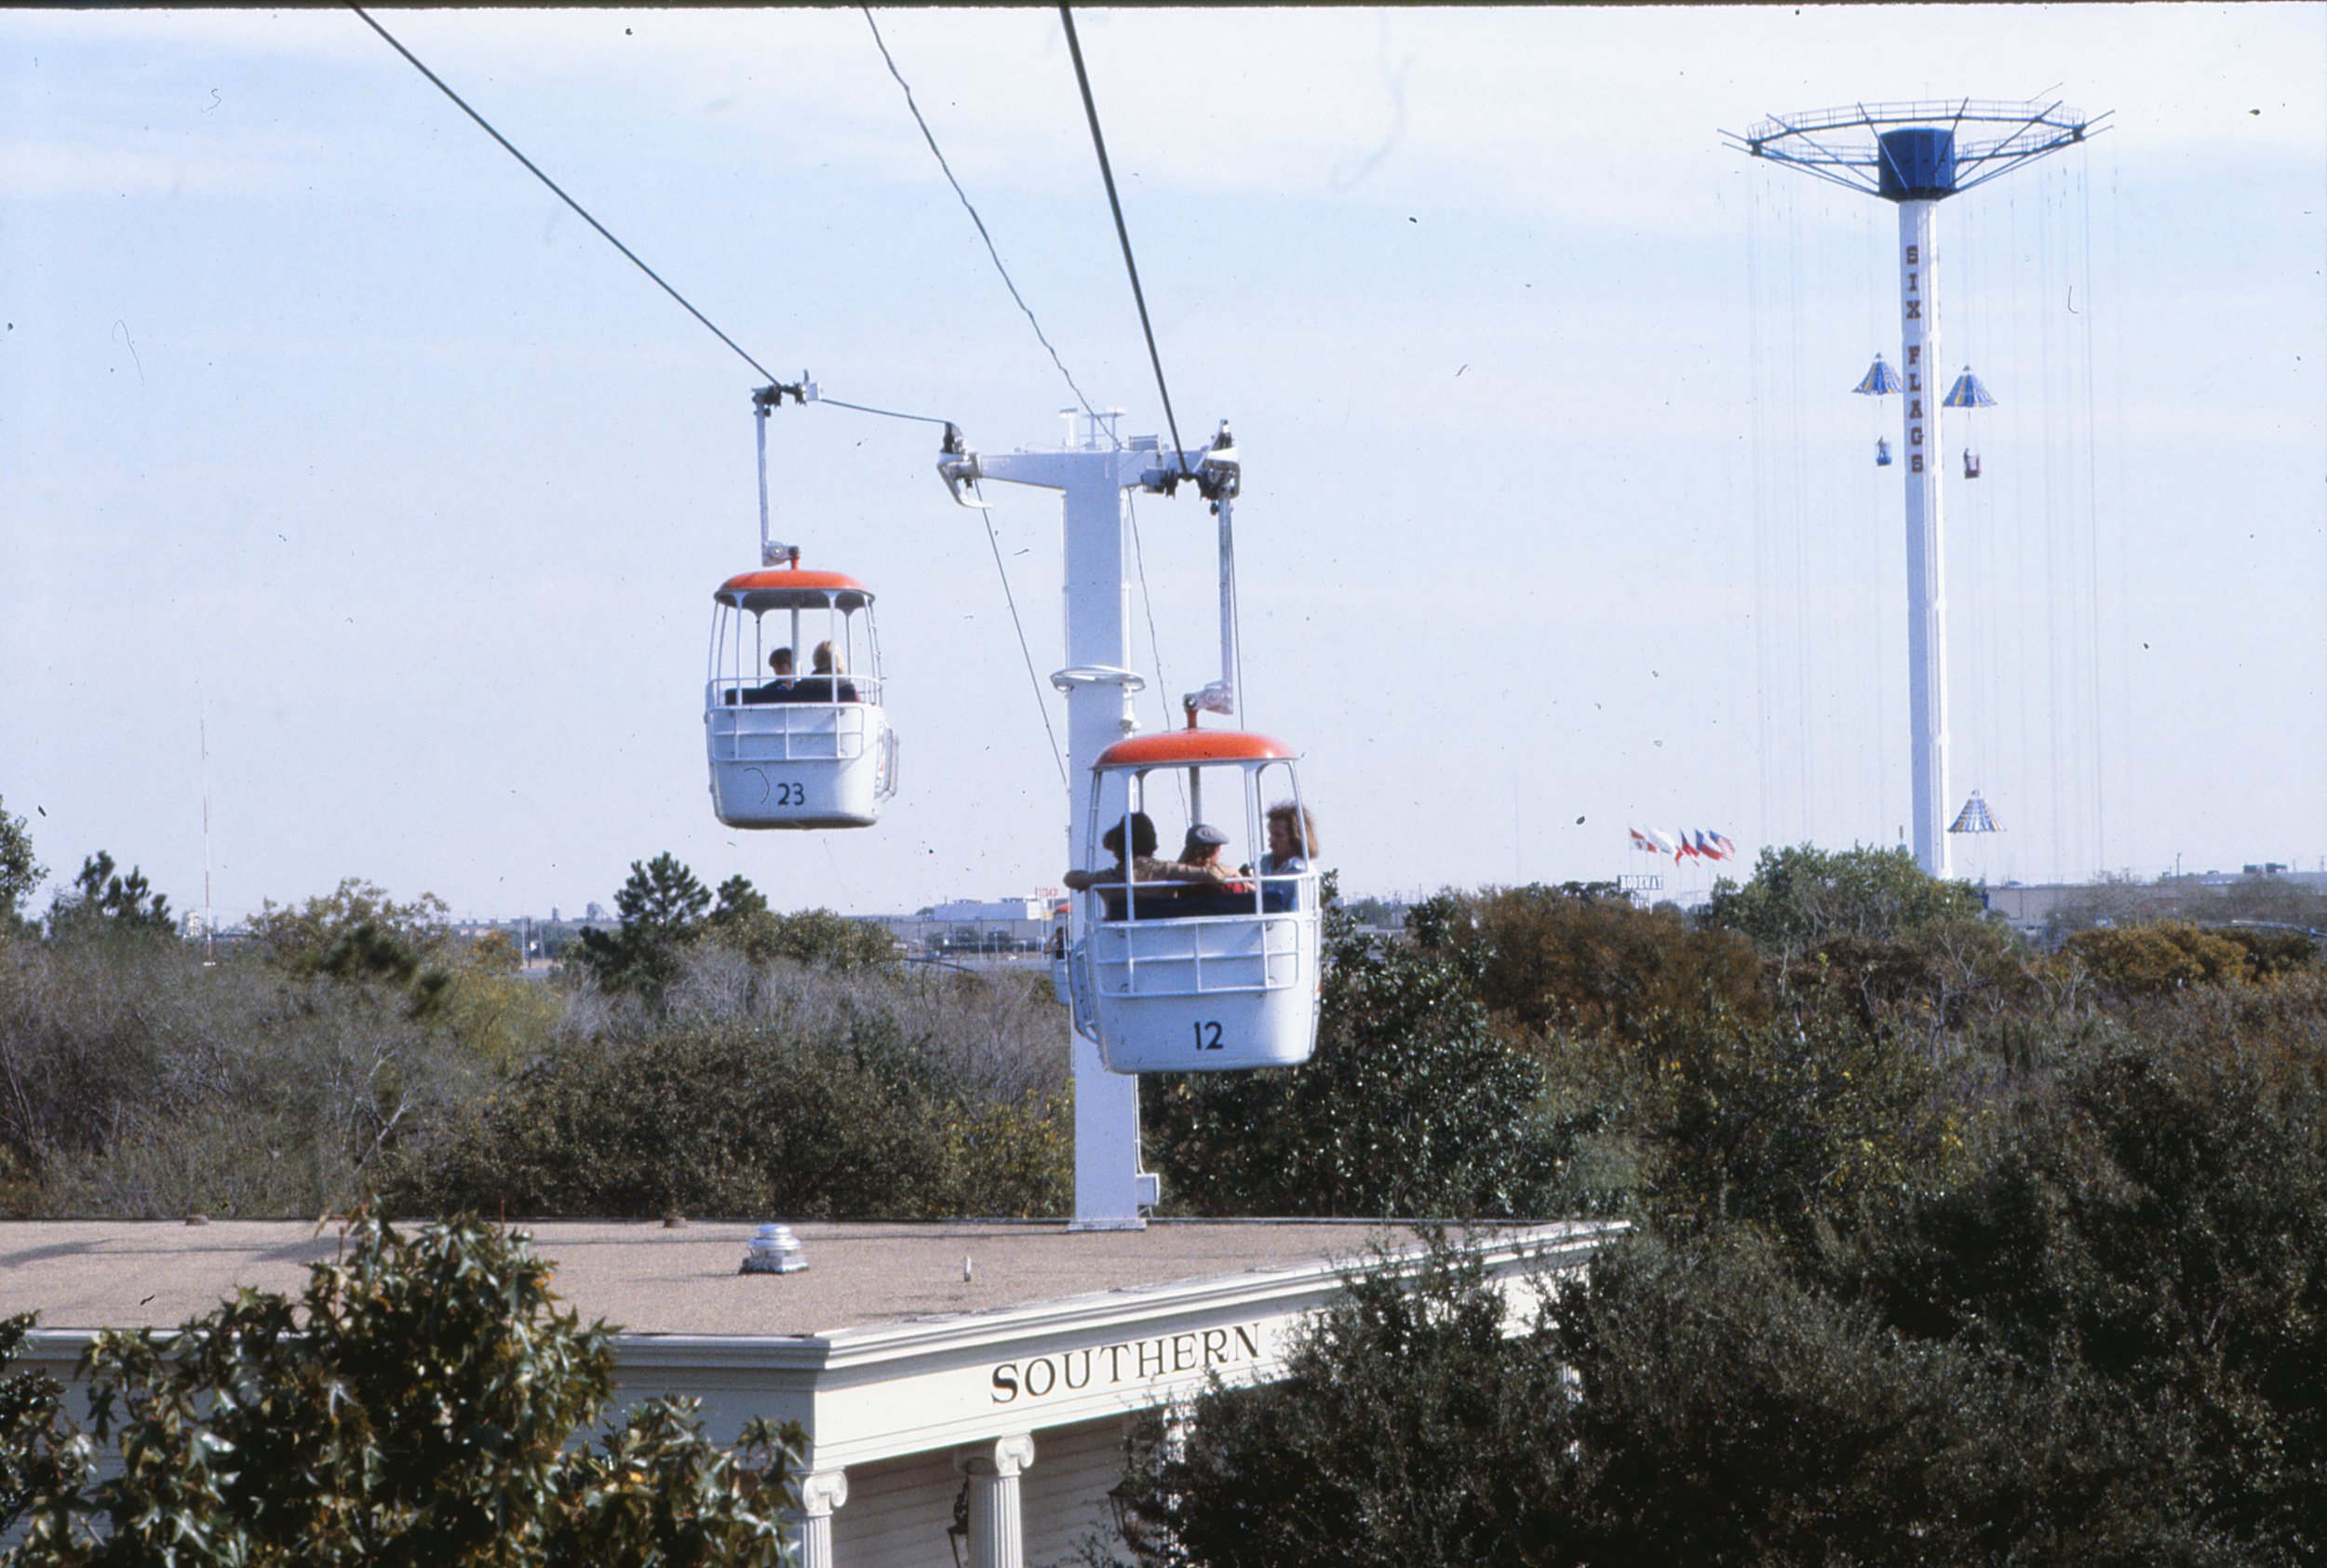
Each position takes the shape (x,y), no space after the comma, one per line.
(1093,474)
(1927,559)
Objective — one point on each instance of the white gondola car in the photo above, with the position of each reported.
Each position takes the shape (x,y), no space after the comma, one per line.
(797,735)
(1173,975)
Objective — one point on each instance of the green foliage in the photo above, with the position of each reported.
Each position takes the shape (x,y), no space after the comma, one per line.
(39,1462)
(2159,957)
(660,905)
(1951,973)
(1788,1123)
(792,1092)
(143,1084)
(663,910)
(2149,1246)
(1727,1413)
(2274,954)
(358,935)
(1799,896)
(1411,1428)
(19,873)
(1412,1105)
(415,1406)
(808,936)
(702,1123)
(102,902)
(2098,1336)
(1583,959)
(355,932)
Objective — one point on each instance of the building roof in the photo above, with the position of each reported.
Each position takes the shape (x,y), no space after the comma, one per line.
(82,1275)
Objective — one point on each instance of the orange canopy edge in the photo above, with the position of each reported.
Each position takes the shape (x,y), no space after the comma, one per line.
(792,577)
(1189,747)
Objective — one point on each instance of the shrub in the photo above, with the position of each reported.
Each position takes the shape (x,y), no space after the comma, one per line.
(1411,1428)
(770,1088)
(144,1084)
(1799,896)
(1785,1124)
(1412,1105)
(2159,957)
(1583,962)
(417,1405)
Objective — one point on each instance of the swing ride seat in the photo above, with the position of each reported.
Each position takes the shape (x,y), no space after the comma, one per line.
(786,754)
(1197,977)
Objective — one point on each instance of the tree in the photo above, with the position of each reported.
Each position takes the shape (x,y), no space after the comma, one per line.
(1413,1105)
(101,901)
(661,906)
(19,873)
(38,1460)
(415,1409)
(2159,957)
(699,1119)
(1412,1428)
(1582,959)
(1787,1124)
(356,930)
(742,923)
(1799,896)
(2101,1339)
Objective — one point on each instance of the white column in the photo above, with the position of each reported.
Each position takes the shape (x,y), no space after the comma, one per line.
(1110,1186)
(997,1536)
(1099,595)
(1927,587)
(820,1493)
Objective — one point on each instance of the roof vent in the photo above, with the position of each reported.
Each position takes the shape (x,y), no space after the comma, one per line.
(773,1250)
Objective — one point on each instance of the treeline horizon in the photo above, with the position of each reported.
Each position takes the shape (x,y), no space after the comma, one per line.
(1942,1245)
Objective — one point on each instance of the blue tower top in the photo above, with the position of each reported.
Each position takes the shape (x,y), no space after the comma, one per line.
(1916,164)
(1915,152)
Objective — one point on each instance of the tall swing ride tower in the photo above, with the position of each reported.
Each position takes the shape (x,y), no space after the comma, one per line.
(1917,155)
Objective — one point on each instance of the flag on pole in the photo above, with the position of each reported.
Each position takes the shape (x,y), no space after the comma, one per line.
(1728,851)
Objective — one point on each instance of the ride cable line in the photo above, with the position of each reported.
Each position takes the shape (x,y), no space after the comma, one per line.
(1179,966)
(747,810)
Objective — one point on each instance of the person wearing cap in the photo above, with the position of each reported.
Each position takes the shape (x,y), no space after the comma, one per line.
(1200,857)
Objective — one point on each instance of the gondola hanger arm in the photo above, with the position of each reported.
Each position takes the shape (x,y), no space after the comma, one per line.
(958,466)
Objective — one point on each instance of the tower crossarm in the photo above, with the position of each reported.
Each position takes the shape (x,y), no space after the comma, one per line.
(1846,145)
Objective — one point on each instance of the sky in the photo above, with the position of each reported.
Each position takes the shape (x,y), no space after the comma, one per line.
(350,482)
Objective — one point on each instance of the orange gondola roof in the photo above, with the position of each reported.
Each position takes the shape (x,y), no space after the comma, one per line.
(791,577)
(1186,748)
(781,587)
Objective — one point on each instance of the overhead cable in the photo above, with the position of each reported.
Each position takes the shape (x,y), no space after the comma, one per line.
(1098,141)
(561,195)
(536,170)
(946,169)
(1024,649)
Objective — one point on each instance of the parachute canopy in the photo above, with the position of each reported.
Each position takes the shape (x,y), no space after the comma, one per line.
(1975,817)
(1880,378)
(1967,393)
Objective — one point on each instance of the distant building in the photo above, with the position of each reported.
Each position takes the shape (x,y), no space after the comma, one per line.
(990,910)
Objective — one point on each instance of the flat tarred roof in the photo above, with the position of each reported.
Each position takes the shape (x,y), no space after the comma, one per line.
(82,1274)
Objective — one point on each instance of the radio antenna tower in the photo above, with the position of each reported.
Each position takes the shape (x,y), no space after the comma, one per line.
(1917,155)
